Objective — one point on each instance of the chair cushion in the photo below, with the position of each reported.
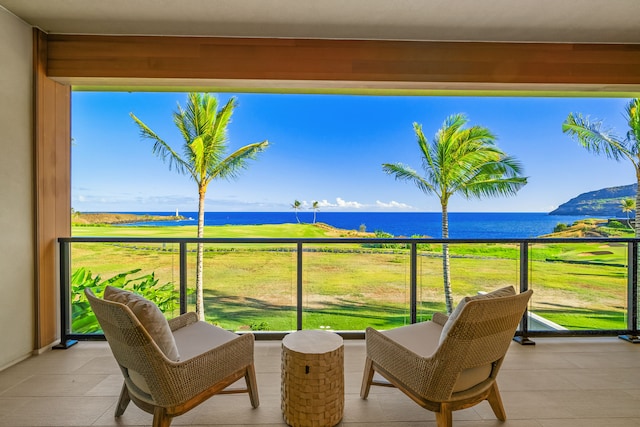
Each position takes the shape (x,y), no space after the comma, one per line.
(472,377)
(151,318)
(192,340)
(421,338)
(200,337)
(502,292)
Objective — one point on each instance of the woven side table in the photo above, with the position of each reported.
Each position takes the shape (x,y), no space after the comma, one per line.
(312,379)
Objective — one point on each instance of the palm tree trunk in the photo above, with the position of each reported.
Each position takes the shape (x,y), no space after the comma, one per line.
(445,260)
(200,257)
(314,216)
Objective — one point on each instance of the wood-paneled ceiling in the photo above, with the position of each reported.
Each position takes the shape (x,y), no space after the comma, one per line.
(574,21)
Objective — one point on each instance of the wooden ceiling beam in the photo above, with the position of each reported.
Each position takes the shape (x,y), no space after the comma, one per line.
(340,64)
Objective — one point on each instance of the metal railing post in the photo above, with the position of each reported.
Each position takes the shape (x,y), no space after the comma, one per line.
(522,336)
(65,300)
(414,283)
(183,277)
(299,287)
(632,294)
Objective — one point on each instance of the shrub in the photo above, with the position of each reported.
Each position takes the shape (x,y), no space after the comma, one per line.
(379,234)
(83,318)
(259,326)
(383,235)
(616,224)
(560,227)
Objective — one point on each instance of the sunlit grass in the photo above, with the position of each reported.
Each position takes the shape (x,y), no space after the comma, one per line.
(223,231)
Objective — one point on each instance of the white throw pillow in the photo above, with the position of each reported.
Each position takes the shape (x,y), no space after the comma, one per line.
(151,318)
(502,292)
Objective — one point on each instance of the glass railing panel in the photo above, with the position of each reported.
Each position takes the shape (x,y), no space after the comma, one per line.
(578,286)
(348,287)
(429,282)
(247,287)
(149,269)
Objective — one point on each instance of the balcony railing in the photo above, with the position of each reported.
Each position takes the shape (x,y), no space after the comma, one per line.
(275,285)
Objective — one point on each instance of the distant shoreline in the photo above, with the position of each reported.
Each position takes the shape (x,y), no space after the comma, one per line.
(106,218)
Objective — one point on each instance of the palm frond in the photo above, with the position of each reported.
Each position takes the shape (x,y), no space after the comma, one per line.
(452,125)
(595,138)
(216,141)
(198,161)
(182,123)
(628,205)
(230,166)
(223,118)
(494,187)
(495,178)
(406,173)
(633,119)
(162,149)
(429,156)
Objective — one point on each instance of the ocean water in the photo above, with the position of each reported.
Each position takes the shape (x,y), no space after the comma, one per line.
(462,225)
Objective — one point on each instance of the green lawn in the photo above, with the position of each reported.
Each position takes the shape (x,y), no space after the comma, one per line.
(223,231)
(253,286)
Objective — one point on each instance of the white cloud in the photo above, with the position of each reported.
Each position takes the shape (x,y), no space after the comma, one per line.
(341,204)
(326,204)
(344,204)
(392,205)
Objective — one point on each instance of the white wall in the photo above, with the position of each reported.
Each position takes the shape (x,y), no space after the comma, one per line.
(16,191)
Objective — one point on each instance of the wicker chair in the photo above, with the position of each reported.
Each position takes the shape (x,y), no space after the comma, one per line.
(211,360)
(447,368)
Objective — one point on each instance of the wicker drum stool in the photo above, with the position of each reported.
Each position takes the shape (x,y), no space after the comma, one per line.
(312,379)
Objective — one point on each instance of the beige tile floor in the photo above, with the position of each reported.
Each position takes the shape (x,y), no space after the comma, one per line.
(586,382)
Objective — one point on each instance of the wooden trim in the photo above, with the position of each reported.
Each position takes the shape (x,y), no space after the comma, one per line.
(279,65)
(334,64)
(52,130)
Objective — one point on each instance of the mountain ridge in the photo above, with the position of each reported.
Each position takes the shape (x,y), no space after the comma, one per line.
(602,202)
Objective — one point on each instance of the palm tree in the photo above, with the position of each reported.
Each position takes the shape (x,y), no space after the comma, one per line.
(295,206)
(204,130)
(628,205)
(462,161)
(599,140)
(315,206)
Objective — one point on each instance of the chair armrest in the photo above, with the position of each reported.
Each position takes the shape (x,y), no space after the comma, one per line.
(182,321)
(403,364)
(439,318)
(420,376)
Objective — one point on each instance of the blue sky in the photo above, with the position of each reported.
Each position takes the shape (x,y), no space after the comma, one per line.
(330,148)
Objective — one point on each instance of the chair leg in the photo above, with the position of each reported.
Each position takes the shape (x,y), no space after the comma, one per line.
(160,418)
(252,385)
(496,403)
(444,418)
(367,377)
(123,401)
